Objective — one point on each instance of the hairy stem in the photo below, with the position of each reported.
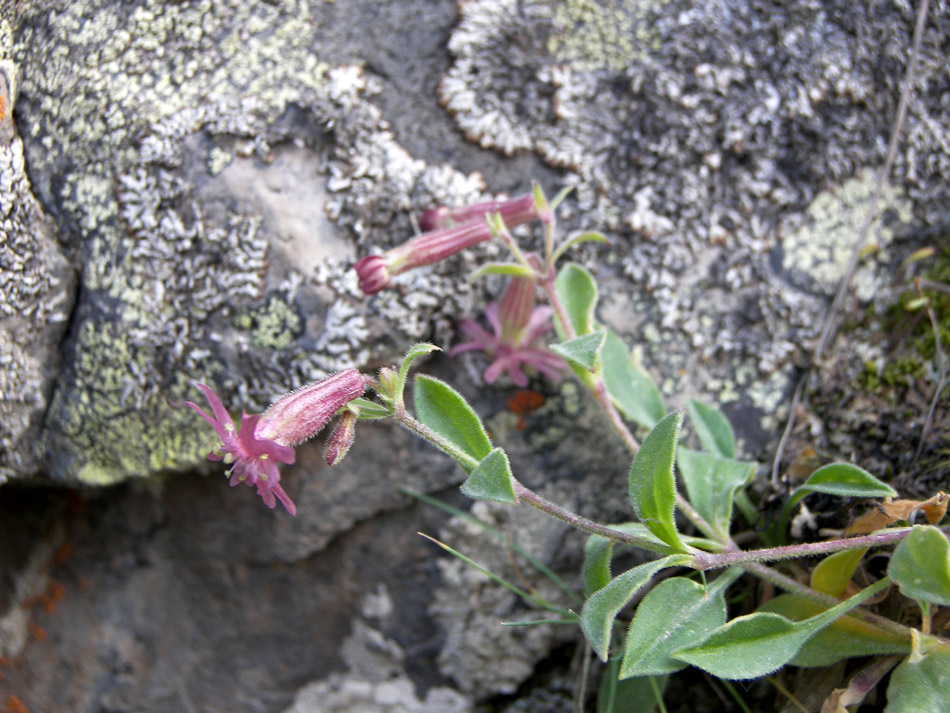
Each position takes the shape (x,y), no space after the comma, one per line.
(582,523)
(770,554)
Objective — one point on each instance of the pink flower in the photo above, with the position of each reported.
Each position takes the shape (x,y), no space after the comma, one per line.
(267,439)
(453,236)
(517,325)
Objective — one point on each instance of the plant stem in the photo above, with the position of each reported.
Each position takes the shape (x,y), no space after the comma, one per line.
(725,559)
(402,417)
(582,523)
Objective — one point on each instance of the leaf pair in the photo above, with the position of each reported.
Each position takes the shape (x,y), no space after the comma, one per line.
(601,351)
(442,409)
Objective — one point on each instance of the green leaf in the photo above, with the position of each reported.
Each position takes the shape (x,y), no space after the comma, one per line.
(368,410)
(758,644)
(832,575)
(677,614)
(652,484)
(632,695)
(846,637)
(600,610)
(577,240)
(583,351)
(501,268)
(598,552)
(415,351)
(712,483)
(628,385)
(843,479)
(492,480)
(921,565)
(713,429)
(920,684)
(445,411)
(578,292)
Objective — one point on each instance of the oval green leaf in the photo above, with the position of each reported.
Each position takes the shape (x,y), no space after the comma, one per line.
(628,385)
(652,483)
(677,614)
(713,429)
(920,685)
(492,480)
(578,293)
(921,565)
(757,644)
(445,411)
(843,479)
(600,610)
(712,483)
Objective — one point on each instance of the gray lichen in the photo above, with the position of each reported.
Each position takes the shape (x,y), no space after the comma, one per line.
(701,143)
(36,294)
(160,163)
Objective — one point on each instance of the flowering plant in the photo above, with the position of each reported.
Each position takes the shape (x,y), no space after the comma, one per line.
(683,620)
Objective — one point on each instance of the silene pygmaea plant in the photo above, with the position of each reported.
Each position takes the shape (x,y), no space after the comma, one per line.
(683,620)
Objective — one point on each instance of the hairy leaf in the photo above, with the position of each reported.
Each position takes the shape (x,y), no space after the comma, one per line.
(758,644)
(677,614)
(445,411)
(713,429)
(846,637)
(600,610)
(920,684)
(712,483)
(578,292)
(628,385)
(583,351)
(492,480)
(652,483)
(921,565)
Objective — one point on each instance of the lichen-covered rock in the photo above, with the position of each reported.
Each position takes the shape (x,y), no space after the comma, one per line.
(36,296)
(705,138)
(201,147)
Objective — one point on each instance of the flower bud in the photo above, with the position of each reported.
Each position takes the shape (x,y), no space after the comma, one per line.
(373,274)
(340,440)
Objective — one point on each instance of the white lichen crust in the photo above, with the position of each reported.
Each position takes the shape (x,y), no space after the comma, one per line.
(36,295)
(218,180)
(703,138)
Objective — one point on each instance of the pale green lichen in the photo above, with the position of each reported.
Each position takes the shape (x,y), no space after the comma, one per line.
(604,35)
(273,325)
(817,253)
(131,438)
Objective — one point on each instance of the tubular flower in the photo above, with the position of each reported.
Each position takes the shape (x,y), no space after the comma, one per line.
(517,325)
(267,439)
(457,230)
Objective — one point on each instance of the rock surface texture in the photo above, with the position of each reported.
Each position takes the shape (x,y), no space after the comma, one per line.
(184,188)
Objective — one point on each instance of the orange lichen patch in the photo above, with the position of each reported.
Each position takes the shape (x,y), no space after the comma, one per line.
(891,511)
(3,107)
(522,403)
(15,705)
(37,631)
(51,597)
